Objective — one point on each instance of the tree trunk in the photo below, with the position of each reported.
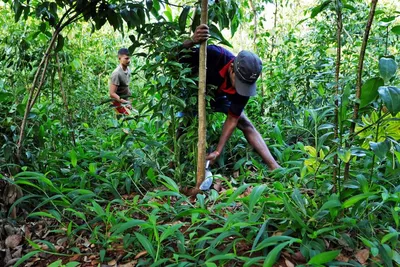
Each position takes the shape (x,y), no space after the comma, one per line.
(359,76)
(32,94)
(337,77)
(201,145)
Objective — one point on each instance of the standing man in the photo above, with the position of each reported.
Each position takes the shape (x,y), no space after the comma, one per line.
(235,79)
(119,83)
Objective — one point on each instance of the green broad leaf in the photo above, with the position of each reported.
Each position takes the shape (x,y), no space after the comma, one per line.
(98,209)
(237,193)
(380,149)
(102,254)
(273,254)
(369,91)
(374,251)
(196,19)
(353,200)
(229,256)
(299,200)
(60,43)
(169,231)
(255,196)
(250,262)
(146,244)
(26,257)
(168,13)
(350,7)
(367,242)
(259,234)
(41,214)
(72,264)
(56,264)
(192,211)
(120,228)
(324,257)
(344,155)
(391,98)
(18,8)
(385,252)
(293,213)
(396,29)
(216,34)
(74,159)
(396,257)
(389,236)
(169,183)
(92,168)
(328,229)
(318,9)
(333,202)
(183,18)
(387,68)
(273,240)
(395,216)
(5,97)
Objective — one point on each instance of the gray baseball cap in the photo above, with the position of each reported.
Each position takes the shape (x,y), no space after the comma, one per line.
(247,68)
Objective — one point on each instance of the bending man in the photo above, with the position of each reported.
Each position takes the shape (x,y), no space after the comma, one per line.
(235,79)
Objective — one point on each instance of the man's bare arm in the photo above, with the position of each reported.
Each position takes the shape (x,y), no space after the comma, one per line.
(229,126)
(113,94)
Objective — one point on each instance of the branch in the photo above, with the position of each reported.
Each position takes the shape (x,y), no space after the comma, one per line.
(359,75)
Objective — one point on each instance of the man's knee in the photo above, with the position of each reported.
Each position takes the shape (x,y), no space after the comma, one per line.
(245,124)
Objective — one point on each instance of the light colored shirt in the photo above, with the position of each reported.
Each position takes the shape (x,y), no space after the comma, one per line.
(121,79)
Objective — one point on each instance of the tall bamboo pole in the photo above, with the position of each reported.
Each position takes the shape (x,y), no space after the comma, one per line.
(359,76)
(201,145)
(337,78)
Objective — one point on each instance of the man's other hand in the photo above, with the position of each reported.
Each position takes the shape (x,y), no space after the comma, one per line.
(212,156)
(201,34)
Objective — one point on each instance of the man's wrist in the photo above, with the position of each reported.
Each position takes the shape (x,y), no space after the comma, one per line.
(188,43)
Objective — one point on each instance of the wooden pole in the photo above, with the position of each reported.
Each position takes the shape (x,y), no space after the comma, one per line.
(359,76)
(337,87)
(201,145)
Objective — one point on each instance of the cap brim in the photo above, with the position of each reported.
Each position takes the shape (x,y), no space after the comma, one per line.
(245,89)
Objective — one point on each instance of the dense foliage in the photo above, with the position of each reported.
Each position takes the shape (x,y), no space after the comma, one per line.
(91,187)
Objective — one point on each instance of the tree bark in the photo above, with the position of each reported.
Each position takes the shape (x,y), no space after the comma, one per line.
(42,68)
(201,145)
(337,78)
(359,75)
(30,102)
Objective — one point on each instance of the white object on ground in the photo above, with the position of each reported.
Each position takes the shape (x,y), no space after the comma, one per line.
(206,184)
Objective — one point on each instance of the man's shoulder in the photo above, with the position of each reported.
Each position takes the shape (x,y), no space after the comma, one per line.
(219,50)
(116,71)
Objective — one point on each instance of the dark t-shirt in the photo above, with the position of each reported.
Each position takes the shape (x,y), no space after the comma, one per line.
(218,62)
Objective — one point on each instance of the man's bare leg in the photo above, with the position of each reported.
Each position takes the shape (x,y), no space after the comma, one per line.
(256,141)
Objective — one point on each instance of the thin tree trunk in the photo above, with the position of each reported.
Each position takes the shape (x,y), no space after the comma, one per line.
(29,102)
(257,51)
(359,76)
(337,77)
(201,145)
(65,101)
(42,68)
